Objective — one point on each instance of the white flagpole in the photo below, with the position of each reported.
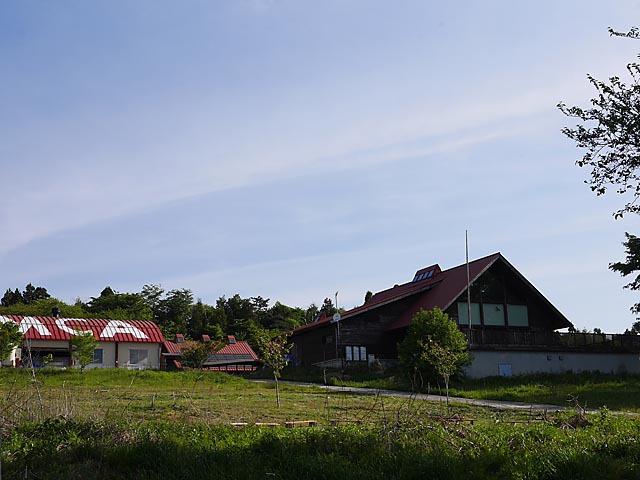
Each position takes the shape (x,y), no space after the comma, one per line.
(466,239)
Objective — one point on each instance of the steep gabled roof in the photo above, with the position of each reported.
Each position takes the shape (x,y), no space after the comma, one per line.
(440,289)
(52,328)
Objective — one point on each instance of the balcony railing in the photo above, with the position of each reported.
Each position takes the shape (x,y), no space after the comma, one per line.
(526,340)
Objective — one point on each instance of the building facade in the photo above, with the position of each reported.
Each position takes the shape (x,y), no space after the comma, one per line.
(120,344)
(513,328)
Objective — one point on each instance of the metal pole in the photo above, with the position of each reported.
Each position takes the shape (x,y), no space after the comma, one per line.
(466,239)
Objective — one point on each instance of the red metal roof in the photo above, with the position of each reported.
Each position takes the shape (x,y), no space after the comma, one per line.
(425,286)
(452,284)
(238,348)
(51,328)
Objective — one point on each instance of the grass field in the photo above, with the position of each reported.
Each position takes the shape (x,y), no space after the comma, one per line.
(595,390)
(124,424)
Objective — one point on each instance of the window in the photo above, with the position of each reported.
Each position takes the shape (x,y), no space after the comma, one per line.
(493,314)
(518,315)
(97,356)
(355,353)
(463,313)
(138,356)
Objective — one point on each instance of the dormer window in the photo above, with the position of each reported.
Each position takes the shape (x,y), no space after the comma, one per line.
(426,273)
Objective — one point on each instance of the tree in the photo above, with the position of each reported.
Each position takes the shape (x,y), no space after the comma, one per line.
(273,350)
(32,294)
(11,298)
(434,347)
(118,306)
(328,308)
(194,354)
(83,346)
(611,137)
(630,265)
(10,338)
(610,133)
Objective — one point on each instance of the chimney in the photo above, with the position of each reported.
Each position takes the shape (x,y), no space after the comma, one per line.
(55,312)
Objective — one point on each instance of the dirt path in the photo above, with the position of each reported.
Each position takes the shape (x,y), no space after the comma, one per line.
(434,398)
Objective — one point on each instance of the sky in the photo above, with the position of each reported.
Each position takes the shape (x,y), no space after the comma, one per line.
(291,149)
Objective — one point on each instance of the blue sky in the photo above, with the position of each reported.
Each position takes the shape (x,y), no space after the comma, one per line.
(290,149)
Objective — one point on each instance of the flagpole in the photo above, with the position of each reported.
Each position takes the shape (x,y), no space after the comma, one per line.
(466,239)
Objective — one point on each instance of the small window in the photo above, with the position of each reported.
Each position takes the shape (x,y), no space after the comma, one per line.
(348,354)
(138,356)
(363,354)
(97,356)
(356,354)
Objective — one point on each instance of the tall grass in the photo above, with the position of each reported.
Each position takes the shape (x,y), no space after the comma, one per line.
(606,449)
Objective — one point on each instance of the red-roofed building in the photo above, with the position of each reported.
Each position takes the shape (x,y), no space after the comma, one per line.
(125,344)
(513,326)
(233,357)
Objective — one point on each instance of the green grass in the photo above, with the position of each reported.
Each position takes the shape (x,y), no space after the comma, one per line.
(606,449)
(126,424)
(593,390)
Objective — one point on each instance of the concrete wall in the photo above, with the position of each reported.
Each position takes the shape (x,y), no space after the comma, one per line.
(153,355)
(487,364)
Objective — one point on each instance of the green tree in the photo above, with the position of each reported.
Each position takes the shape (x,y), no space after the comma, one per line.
(434,348)
(175,312)
(610,135)
(43,307)
(83,346)
(630,265)
(194,354)
(273,349)
(32,294)
(11,298)
(152,296)
(118,306)
(10,338)
(328,308)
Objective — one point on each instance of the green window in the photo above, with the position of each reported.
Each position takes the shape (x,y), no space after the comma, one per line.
(463,313)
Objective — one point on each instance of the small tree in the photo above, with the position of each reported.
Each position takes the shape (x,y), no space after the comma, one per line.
(10,338)
(434,347)
(273,349)
(83,346)
(194,354)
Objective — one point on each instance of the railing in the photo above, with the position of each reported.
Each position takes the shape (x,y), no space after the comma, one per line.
(588,342)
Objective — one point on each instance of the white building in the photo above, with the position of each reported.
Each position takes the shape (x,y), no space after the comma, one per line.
(121,344)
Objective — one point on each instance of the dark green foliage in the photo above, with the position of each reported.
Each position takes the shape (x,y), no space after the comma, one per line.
(328,308)
(32,294)
(434,348)
(118,306)
(11,298)
(29,296)
(629,266)
(43,308)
